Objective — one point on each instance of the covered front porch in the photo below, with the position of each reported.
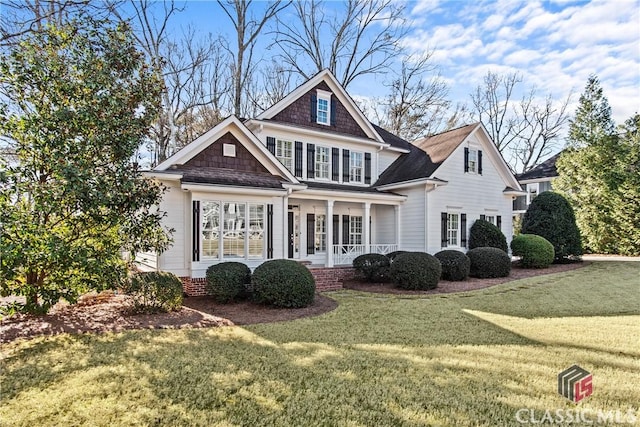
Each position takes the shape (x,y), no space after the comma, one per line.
(333,229)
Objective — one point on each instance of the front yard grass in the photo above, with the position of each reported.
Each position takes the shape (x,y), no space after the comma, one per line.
(460,359)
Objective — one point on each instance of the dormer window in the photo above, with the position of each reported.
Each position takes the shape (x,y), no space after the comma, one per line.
(323,108)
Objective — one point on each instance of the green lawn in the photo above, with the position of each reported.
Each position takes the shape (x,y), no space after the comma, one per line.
(466,359)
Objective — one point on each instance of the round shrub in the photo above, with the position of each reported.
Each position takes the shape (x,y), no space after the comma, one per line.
(455,265)
(393,255)
(489,262)
(226,281)
(415,270)
(372,267)
(484,234)
(283,283)
(155,291)
(551,216)
(534,251)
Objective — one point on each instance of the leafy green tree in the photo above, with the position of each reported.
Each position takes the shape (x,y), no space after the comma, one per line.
(598,175)
(550,215)
(77,103)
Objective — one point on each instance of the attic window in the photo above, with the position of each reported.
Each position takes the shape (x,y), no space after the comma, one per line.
(473,160)
(229,150)
(323,114)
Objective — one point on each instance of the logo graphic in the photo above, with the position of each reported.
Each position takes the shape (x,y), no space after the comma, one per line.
(575,383)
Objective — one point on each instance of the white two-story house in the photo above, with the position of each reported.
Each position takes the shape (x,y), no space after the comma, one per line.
(311,179)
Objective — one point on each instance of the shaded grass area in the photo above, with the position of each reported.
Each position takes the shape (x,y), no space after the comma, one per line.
(465,359)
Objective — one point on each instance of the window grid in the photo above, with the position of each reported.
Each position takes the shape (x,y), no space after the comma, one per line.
(453,229)
(284,153)
(355,230)
(356,166)
(322,162)
(473,161)
(321,233)
(323,111)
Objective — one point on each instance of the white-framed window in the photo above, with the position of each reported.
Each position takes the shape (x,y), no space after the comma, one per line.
(473,160)
(323,108)
(321,233)
(356,166)
(322,162)
(490,218)
(232,229)
(355,230)
(453,229)
(284,153)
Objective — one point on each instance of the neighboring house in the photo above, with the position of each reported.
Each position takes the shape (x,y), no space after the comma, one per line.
(535,181)
(311,179)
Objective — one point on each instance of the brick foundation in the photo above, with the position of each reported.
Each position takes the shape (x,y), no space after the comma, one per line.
(327,279)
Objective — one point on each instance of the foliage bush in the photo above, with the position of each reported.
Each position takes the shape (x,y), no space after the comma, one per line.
(372,267)
(455,264)
(534,251)
(227,281)
(489,262)
(283,283)
(550,215)
(415,270)
(484,234)
(155,291)
(393,255)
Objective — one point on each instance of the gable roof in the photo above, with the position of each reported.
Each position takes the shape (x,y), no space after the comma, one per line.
(337,89)
(546,169)
(425,156)
(233,125)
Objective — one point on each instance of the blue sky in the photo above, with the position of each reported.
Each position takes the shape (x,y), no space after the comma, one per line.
(555,45)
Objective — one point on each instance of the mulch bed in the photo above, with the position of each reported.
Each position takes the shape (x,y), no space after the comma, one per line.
(111,312)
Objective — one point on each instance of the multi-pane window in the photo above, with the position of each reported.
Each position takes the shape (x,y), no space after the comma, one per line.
(284,153)
(453,229)
(232,229)
(323,111)
(490,218)
(211,229)
(321,233)
(322,162)
(356,166)
(355,230)
(473,161)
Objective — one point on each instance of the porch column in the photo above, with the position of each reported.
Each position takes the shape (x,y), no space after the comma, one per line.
(285,227)
(398,229)
(329,227)
(366,226)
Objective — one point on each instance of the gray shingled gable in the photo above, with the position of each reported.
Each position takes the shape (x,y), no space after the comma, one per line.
(546,169)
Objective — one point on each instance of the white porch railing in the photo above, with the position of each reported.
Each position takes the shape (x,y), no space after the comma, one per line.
(345,254)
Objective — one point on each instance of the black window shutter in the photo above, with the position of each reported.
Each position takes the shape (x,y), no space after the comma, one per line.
(335,164)
(345,165)
(271,145)
(196,230)
(336,230)
(463,230)
(367,168)
(443,229)
(479,162)
(345,229)
(499,222)
(314,108)
(311,234)
(269,231)
(483,217)
(333,112)
(466,159)
(311,160)
(298,159)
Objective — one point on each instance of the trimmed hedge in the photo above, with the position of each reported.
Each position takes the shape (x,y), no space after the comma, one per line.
(155,291)
(393,255)
(484,234)
(551,216)
(415,270)
(489,262)
(372,267)
(283,283)
(455,264)
(227,281)
(534,251)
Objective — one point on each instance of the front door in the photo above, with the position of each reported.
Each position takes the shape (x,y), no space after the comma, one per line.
(293,220)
